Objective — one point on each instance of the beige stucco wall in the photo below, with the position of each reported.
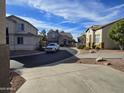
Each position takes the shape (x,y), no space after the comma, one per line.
(11,25)
(27,27)
(31,42)
(99,32)
(89,33)
(104,38)
(108,43)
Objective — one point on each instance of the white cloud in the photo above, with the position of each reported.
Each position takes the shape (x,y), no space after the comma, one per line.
(43,25)
(73,10)
(40,24)
(115,8)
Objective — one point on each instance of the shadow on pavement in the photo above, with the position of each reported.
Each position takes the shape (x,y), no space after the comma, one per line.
(44,59)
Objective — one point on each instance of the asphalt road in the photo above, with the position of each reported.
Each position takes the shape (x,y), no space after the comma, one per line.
(44,58)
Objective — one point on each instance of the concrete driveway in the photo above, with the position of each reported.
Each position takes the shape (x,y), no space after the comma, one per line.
(72,78)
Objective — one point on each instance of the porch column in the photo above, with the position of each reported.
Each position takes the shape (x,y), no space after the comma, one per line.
(4,52)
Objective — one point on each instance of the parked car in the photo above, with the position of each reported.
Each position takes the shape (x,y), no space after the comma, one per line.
(52,47)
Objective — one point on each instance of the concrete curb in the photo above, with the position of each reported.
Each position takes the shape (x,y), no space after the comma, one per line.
(33,54)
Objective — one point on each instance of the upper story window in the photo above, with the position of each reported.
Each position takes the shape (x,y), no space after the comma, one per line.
(20,27)
(20,40)
(53,35)
(97,38)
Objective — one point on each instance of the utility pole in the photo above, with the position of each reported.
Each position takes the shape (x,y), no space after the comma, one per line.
(4,51)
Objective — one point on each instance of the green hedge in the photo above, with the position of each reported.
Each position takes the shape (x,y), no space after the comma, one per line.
(81,46)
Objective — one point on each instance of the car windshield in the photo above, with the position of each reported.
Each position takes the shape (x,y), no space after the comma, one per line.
(51,44)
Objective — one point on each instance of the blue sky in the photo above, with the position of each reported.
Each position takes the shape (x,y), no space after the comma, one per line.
(73,16)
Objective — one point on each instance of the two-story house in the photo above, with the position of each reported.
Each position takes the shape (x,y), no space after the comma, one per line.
(65,39)
(20,34)
(62,38)
(53,36)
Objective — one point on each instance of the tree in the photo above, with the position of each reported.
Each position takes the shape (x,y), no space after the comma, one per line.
(82,39)
(43,35)
(43,39)
(116,33)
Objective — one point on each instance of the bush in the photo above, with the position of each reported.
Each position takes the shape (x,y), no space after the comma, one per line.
(81,46)
(61,45)
(40,48)
(87,48)
(93,45)
(97,47)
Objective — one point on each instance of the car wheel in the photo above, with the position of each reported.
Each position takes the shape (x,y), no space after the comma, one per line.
(47,52)
(55,50)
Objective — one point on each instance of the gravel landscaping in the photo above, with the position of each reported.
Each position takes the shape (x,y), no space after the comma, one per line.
(114,63)
(16,81)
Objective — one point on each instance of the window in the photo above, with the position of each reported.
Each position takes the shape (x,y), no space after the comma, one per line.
(20,27)
(7,35)
(97,38)
(53,35)
(7,31)
(19,40)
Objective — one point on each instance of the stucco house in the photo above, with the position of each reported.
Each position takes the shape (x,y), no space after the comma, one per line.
(53,36)
(98,35)
(20,34)
(62,38)
(65,39)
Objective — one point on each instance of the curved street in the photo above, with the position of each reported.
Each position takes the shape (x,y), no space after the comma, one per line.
(42,59)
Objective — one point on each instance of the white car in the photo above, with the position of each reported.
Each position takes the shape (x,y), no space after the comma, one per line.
(52,47)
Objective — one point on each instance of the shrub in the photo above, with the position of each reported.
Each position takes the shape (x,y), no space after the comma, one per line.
(93,45)
(97,47)
(87,48)
(116,33)
(40,48)
(62,45)
(81,46)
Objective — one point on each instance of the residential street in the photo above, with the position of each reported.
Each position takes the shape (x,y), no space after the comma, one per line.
(68,77)
(61,46)
(41,59)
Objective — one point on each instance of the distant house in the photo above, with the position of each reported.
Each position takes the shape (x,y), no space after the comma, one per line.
(98,35)
(53,36)
(62,38)
(65,39)
(20,34)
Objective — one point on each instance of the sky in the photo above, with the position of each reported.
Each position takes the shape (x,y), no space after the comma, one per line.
(73,16)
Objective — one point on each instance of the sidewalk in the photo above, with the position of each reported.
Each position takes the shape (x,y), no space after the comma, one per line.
(72,78)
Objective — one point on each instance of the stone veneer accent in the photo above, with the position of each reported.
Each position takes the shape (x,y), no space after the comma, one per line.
(4,52)
(2,22)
